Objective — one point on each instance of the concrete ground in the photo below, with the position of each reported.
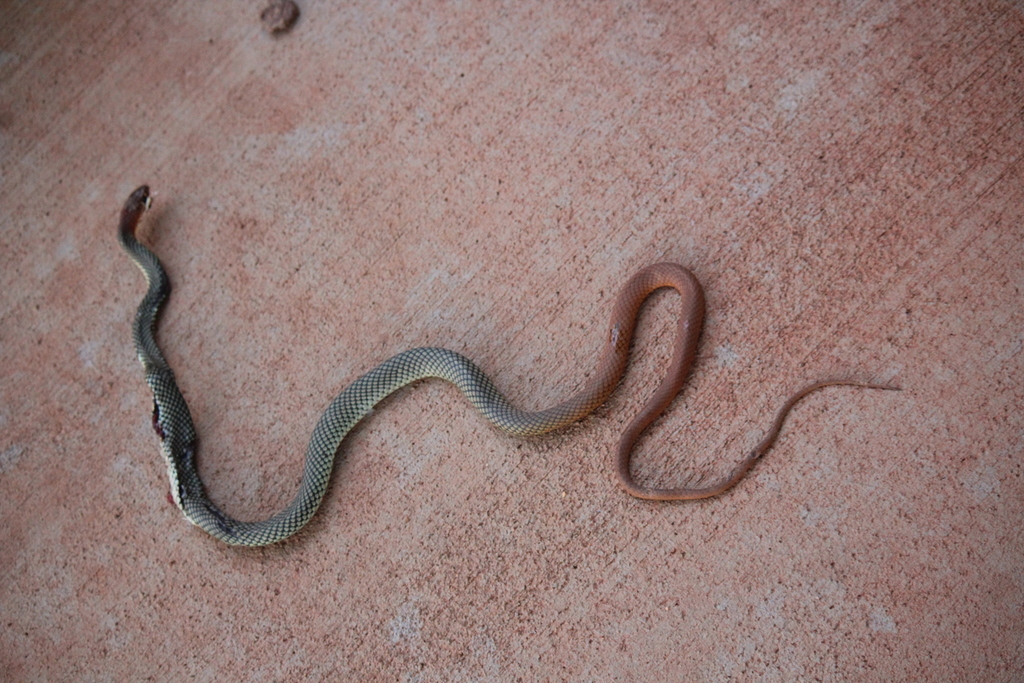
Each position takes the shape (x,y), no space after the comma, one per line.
(845,179)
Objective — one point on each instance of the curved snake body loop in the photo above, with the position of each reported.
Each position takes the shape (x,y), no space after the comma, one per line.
(173,423)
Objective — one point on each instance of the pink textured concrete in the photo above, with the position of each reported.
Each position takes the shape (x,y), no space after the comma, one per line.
(845,179)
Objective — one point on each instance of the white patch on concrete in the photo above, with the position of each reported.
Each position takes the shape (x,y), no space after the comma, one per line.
(759,181)
(485,655)
(8,58)
(772,608)
(798,91)
(10,457)
(87,353)
(879,621)
(303,141)
(726,356)
(737,83)
(407,624)
(743,37)
(67,250)
(981,483)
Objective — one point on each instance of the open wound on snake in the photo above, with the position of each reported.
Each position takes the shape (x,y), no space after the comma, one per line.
(173,423)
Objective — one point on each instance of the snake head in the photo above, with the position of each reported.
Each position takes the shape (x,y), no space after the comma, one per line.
(137,202)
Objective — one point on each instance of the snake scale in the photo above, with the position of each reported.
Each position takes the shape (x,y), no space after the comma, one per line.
(173,423)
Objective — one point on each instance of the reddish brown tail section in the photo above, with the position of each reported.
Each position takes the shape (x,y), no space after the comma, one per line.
(691,319)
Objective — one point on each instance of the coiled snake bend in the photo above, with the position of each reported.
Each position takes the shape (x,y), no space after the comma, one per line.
(173,423)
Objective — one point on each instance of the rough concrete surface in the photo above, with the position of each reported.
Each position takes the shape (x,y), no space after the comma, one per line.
(844,178)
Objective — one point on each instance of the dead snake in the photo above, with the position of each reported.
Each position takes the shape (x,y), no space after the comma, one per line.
(173,423)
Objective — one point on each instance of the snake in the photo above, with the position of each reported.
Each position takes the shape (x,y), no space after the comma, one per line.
(172,421)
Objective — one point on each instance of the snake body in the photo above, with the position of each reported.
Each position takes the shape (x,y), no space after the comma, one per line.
(173,422)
